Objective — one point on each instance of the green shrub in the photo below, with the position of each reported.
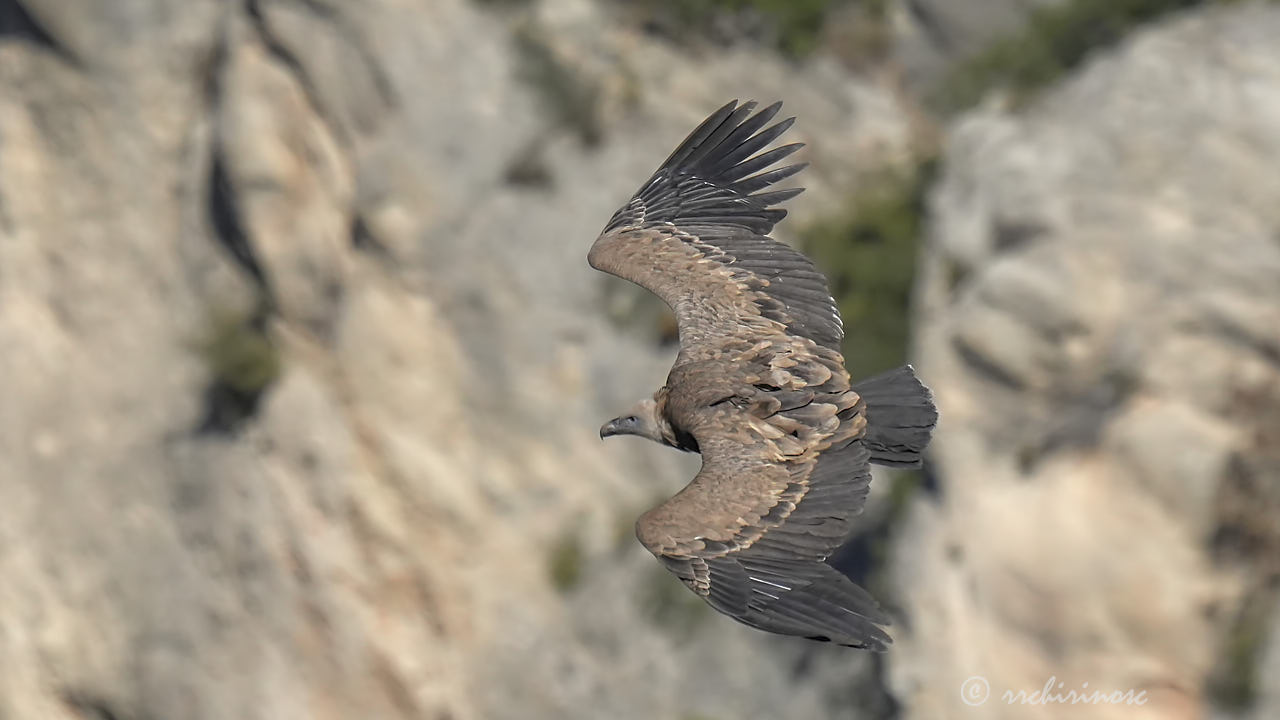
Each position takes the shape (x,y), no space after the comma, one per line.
(869,256)
(241,361)
(570,96)
(1233,684)
(565,562)
(237,351)
(795,26)
(1055,40)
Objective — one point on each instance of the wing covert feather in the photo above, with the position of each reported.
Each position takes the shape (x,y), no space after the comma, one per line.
(697,233)
(750,534)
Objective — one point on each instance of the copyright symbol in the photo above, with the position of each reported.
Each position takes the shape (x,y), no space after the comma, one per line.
(974,691)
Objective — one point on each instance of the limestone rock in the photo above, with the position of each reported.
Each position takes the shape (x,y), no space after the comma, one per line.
(1100,294)
(369,534)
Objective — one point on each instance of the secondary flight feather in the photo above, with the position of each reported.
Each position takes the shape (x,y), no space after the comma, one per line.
(759,388)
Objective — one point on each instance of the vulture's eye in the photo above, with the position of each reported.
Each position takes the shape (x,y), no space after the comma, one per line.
(631,419)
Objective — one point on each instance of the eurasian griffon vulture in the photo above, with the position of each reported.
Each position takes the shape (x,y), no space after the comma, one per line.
(759,388)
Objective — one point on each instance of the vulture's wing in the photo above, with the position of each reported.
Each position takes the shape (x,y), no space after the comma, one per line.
(784,471)
(696,235)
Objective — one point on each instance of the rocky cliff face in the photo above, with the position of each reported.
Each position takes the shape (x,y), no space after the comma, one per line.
(1100,314)
(303,363)
(301,367)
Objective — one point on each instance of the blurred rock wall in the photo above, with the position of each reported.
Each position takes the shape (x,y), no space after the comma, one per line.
(301,367)
(931,36)
(1100,314)
(303,364)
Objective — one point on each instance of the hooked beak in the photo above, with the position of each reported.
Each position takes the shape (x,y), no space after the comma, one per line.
(613,427)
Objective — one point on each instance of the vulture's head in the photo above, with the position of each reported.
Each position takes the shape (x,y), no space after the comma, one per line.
(640,420)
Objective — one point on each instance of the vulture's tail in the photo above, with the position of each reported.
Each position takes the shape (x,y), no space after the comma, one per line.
(900,417)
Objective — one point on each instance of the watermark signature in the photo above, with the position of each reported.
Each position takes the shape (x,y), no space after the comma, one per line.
(976,691)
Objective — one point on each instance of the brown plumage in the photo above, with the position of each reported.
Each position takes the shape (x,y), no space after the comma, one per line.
(759,388)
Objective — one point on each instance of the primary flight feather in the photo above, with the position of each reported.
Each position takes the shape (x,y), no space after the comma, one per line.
(758,388)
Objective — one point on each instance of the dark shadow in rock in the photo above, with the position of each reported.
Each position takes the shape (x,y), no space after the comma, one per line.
(90,707)
(224,214)
(17,23)
(985,366)
(226,409)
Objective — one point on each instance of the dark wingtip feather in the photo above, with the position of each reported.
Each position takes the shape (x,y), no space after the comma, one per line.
(728,139)
(725,160)
(770,177)
(699,134)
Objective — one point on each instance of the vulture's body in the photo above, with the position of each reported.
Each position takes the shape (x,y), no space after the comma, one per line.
(759,388)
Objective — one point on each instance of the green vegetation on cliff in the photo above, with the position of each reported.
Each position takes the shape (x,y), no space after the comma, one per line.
(1057,39)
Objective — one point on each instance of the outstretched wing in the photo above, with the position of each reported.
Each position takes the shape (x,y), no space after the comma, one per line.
(784,471)
(696,235)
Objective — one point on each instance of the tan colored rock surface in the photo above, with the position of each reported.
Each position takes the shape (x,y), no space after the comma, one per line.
(374,538)
(415,518)
(1100,310)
